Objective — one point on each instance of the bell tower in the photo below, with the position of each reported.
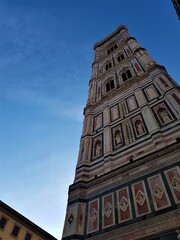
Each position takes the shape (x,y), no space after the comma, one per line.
(127,180)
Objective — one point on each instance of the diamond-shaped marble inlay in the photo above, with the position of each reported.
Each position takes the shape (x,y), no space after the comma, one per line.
(158,191)
(140,197)
(70,220)
(108,209)
(123,204)
(93,215)
(176,184)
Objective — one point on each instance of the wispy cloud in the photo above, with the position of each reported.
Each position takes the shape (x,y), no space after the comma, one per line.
(53,106)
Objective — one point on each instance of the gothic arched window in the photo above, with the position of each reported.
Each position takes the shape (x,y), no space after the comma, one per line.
(108,65)
(107,87)
(112,84)
(120,58)
(126,75)
(129,74)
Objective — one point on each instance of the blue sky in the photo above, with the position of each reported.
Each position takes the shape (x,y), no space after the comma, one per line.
(46,53)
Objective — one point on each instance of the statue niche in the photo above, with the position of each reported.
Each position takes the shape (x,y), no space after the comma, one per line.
(98,149)
(164,115)
(117,138)
(139,127)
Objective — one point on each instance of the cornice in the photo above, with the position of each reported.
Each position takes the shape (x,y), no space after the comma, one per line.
(98,44)
(126,167)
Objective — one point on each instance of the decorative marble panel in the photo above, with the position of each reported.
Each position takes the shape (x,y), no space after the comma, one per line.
(115,113)
(81,211)
(98,121)
(176,98)
(164,81)
(138,126)
(98,89)
(128,51)
(140,197)
(162,114)
(108,211)
(173,178)
(128,135)
(158,192)
(137,66)
(70,223)
(93,216)
(151,92)
(131,102)
(124,205)
(123,108)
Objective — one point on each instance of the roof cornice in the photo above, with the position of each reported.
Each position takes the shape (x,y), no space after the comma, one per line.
(26,222)
(99,44)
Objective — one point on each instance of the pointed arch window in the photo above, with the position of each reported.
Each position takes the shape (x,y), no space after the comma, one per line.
(110,85)
(122,56)
(129,74)
(108,65)
(112,49)
(126,75)
(107,87)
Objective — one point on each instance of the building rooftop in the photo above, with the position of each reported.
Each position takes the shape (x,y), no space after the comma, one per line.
(24,221)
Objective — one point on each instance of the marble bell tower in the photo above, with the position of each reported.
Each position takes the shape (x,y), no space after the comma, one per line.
(127,180)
